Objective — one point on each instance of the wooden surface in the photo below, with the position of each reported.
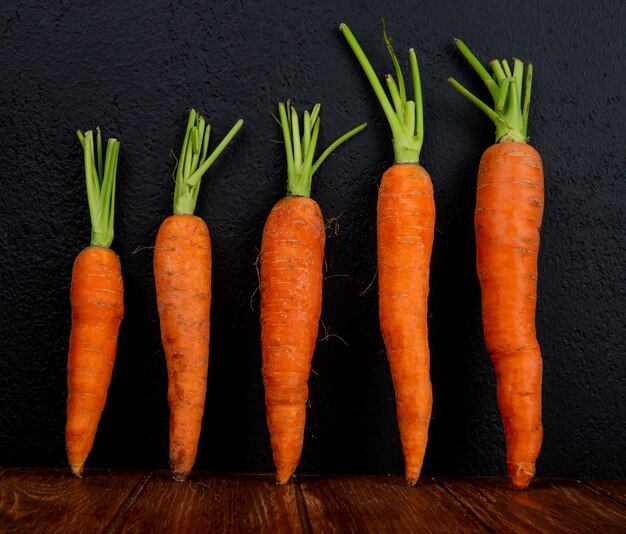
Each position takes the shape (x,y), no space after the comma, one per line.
(51,500)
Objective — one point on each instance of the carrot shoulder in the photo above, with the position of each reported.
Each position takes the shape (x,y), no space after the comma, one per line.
(292,255)
(405,233)
(97,300)
(509,209)
(182,273)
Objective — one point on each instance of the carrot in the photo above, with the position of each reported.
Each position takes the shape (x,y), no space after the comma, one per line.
(97,300)
(405,233)
(509,209)
(182,273)
(292,255)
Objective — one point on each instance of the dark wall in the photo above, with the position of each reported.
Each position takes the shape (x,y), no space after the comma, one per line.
(136,70)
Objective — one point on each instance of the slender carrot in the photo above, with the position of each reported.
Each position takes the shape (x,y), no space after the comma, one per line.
(182,273)
(405,228)
(509,209)
(97,299)
(292,254)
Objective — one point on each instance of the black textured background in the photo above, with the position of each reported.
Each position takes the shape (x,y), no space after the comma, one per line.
(135,68)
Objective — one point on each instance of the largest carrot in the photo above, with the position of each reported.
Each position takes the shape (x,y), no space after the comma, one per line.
(405,228)
(182,273)
(292,254)
(509,208)
(97,298)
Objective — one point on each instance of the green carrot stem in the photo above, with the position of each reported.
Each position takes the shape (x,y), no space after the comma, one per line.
(475,100)
(338,142)
(509,114)
(518,73)
(477,66)
(99,149)
(297,146)
(504,91)
(409,116)
(300,169)
(394,59)
(100,185)
(498,73)
(417,95)
(194,162)
(398,101)
(407,132)
(507,69)
(527,87)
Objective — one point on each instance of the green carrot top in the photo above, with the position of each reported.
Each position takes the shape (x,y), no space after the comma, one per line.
(510,111)
(100,182)
(405,117)
(300,149)
(194,161)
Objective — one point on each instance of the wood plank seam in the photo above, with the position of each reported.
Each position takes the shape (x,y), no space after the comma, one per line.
(465,507)
(303,512)
(590,485)
(127,503)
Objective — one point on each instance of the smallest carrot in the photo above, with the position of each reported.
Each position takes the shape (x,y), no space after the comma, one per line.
(97,299)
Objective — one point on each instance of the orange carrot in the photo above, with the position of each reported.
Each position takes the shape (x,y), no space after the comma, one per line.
(182,273)
(509,209)
(292,255)
(405,233)
(97,299)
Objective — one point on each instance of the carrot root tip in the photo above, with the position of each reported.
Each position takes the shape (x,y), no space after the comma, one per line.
(521,474)
(77,470)
(180,476)
(282,478)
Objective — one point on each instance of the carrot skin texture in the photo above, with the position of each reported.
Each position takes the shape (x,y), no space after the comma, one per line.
(182,272)
(97,300)
(405,227)
(292,255)
(509,209)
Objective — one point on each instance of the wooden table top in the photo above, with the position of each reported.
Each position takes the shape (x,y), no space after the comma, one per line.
(51,500)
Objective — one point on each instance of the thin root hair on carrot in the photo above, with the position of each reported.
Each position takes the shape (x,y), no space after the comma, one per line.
(328,335)
(369,286)
(258,276)
(141,248)
(332,224)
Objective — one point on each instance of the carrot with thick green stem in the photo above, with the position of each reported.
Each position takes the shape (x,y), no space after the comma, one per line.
(405,228)
(509,209)
(97,299)
(292,255)
(182,273)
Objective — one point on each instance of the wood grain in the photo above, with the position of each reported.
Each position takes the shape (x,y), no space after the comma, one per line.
(614,488)
(382,504)
(547,506)
(52,500)
(212,503)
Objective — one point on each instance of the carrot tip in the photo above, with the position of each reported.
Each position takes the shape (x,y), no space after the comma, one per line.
(180,476)
(411,481)
(521,474)
(77,469)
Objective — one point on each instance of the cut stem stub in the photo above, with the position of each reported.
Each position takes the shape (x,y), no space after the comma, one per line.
(300,146)
(510,111)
